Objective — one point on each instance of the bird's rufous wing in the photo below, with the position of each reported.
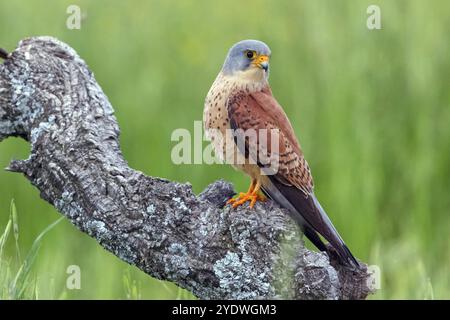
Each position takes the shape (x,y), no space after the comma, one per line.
(260,111)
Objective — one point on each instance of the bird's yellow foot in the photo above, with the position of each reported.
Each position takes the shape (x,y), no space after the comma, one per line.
(244,197)
(251,195)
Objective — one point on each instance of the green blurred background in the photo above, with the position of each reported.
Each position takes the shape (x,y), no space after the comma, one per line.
(371,109)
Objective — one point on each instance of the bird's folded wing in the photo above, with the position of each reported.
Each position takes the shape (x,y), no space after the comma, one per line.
(259,112)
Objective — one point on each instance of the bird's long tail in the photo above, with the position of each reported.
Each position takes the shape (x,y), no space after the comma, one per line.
(309,214)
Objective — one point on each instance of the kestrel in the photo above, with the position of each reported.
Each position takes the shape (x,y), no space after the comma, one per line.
(240,100)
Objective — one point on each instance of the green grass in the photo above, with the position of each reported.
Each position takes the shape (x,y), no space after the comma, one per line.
(15,276)
(371,109)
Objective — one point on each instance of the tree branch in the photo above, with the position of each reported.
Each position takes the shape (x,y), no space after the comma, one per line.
(49,97)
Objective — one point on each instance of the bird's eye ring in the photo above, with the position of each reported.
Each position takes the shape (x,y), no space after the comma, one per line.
(250,54)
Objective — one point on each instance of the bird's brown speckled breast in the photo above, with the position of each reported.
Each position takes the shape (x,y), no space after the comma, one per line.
(216,121)
(215,114)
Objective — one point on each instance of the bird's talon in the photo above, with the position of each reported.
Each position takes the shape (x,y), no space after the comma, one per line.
(238,198)
(244,197)
(253,201)
(251,195)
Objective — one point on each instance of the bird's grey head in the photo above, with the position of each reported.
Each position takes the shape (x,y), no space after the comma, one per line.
(248,55)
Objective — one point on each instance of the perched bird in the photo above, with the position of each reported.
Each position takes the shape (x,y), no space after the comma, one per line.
(240,100)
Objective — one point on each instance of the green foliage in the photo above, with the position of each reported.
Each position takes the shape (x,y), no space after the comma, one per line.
(371,109)
(132,288)
(19,285)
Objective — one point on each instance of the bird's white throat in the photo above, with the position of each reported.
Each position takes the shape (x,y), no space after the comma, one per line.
(252,79)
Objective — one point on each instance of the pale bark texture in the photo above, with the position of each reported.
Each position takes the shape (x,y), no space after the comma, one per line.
(49,97)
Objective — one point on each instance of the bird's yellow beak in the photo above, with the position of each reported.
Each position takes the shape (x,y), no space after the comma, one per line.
(262,61)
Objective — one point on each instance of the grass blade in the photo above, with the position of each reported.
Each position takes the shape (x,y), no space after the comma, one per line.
(4,237)
(15,220)
(20,281)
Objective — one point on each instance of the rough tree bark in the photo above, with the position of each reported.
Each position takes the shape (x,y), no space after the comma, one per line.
(49,97)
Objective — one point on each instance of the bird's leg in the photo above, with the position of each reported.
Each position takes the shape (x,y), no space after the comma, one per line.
(251,195)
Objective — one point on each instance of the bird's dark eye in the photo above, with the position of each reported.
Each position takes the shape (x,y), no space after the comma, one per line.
(250,54)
